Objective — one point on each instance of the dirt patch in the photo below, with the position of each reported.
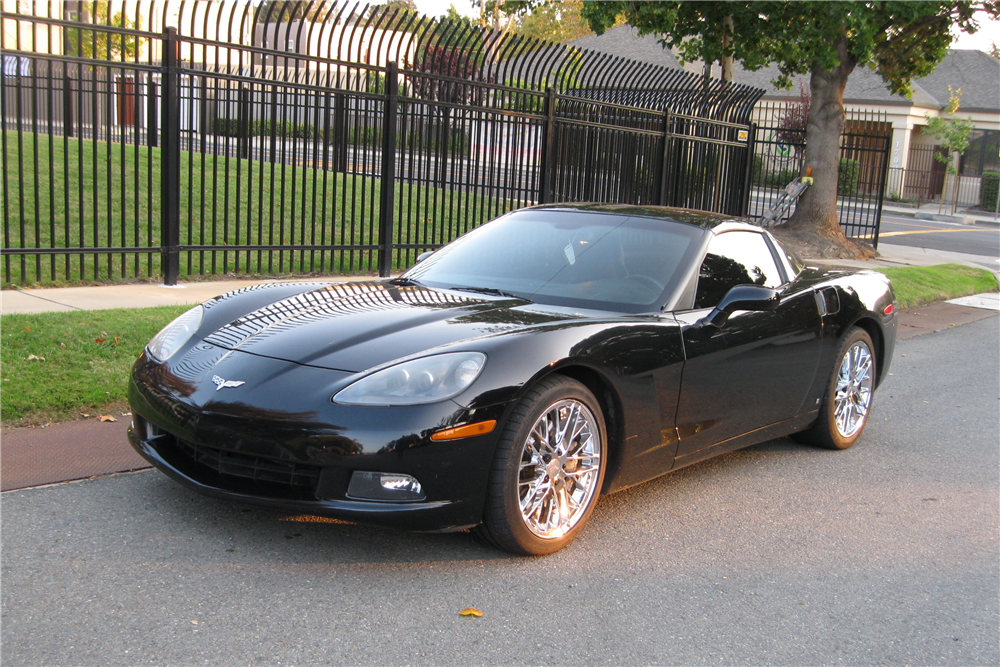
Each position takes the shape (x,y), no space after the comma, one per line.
(813,245)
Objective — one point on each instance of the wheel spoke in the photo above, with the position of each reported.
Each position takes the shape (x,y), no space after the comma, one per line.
(853,394)
(560,467)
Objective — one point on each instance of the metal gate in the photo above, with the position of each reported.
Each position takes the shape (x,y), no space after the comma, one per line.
(862,172)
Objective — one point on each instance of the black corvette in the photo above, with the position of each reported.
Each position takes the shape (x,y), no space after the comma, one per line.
(511,377)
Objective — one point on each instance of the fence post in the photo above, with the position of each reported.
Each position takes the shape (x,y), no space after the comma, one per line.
(664,159)
(152,133)
(243,111)
(170,176)
(548,130)
(339,133)
(881,189)
(751,151)
(387,202)
(67,103)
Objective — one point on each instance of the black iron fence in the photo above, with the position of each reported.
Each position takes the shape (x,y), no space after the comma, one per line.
(862,167)
(320,137)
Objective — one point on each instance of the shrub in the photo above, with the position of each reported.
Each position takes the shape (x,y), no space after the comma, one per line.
(226,127)
(758,169)
(848,176)
(989,188)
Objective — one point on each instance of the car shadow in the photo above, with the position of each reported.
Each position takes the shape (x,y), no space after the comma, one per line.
(254,534)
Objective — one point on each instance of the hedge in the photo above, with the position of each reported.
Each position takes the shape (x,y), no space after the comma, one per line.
(848,176)
(989,188)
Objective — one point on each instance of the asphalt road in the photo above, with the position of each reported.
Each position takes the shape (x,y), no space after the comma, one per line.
(979,240)
(778,554)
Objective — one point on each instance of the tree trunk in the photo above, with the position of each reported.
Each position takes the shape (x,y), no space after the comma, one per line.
(815,219)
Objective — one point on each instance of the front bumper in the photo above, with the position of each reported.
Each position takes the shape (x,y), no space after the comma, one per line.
(260,447)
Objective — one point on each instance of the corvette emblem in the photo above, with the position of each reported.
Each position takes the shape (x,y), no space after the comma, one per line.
(222,384)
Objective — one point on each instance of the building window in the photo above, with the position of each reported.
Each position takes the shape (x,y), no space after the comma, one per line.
(982,153)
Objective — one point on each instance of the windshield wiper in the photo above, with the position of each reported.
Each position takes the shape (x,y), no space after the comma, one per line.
(404,282)
(490,290)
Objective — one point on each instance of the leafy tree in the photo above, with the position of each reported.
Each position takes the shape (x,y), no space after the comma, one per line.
(953,133)
(287,11)
(794,120)
(826,40)
(395,14)
(994,50)
(556,22)
(87,43)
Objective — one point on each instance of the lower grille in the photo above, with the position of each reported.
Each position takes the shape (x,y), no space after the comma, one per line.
(233,471)
(251,467)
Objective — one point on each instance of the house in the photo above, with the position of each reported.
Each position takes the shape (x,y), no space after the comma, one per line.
(913,173)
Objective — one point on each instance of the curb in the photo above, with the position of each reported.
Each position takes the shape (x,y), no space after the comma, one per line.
(935,217)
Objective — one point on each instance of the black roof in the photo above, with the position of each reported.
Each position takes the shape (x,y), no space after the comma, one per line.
(688,216)
(975,72)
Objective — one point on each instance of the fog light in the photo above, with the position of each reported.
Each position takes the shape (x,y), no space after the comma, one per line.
(385,486)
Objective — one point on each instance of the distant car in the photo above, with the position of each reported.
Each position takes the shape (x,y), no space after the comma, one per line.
(507,380)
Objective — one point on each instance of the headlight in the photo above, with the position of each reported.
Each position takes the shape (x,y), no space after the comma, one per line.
(175,334)
(426,380)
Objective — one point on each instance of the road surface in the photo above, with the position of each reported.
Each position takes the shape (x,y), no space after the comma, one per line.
(886,553)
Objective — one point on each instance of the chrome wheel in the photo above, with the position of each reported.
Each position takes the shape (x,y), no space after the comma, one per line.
(853,394)
(560,469)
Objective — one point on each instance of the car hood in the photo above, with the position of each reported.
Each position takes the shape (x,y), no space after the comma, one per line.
(355,326)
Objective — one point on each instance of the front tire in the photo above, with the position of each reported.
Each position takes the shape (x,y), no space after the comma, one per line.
(849,394)
(547,471)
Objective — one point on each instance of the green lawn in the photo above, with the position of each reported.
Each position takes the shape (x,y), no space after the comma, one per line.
(920,285)
(83,361)
(86,193)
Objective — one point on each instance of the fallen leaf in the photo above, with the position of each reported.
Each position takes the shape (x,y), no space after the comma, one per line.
(116,342)
(32,357)
(107,418)
(194,622)
(84,414)
(126,414)
(27,328)
(101,340)
(471,611)
(62,344)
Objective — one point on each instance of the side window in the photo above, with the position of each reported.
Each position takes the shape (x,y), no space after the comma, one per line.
(734,258)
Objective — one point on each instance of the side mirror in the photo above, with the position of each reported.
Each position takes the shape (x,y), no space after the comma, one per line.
(424,255)
(741,297)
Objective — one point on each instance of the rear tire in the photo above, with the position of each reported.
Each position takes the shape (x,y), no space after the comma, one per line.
(547,471)
(849,392)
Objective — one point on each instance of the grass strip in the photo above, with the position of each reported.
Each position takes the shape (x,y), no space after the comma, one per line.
(83,361)
(921,285)
(74,193)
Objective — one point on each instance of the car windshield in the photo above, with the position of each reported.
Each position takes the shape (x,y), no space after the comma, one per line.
(568,258)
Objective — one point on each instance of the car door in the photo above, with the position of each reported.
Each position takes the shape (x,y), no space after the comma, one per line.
(757,368)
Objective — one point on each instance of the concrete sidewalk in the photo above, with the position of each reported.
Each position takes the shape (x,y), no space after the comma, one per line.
(102,297)
(930,211)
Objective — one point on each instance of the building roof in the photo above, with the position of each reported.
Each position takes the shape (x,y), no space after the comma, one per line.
(624,41)
(975,72)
